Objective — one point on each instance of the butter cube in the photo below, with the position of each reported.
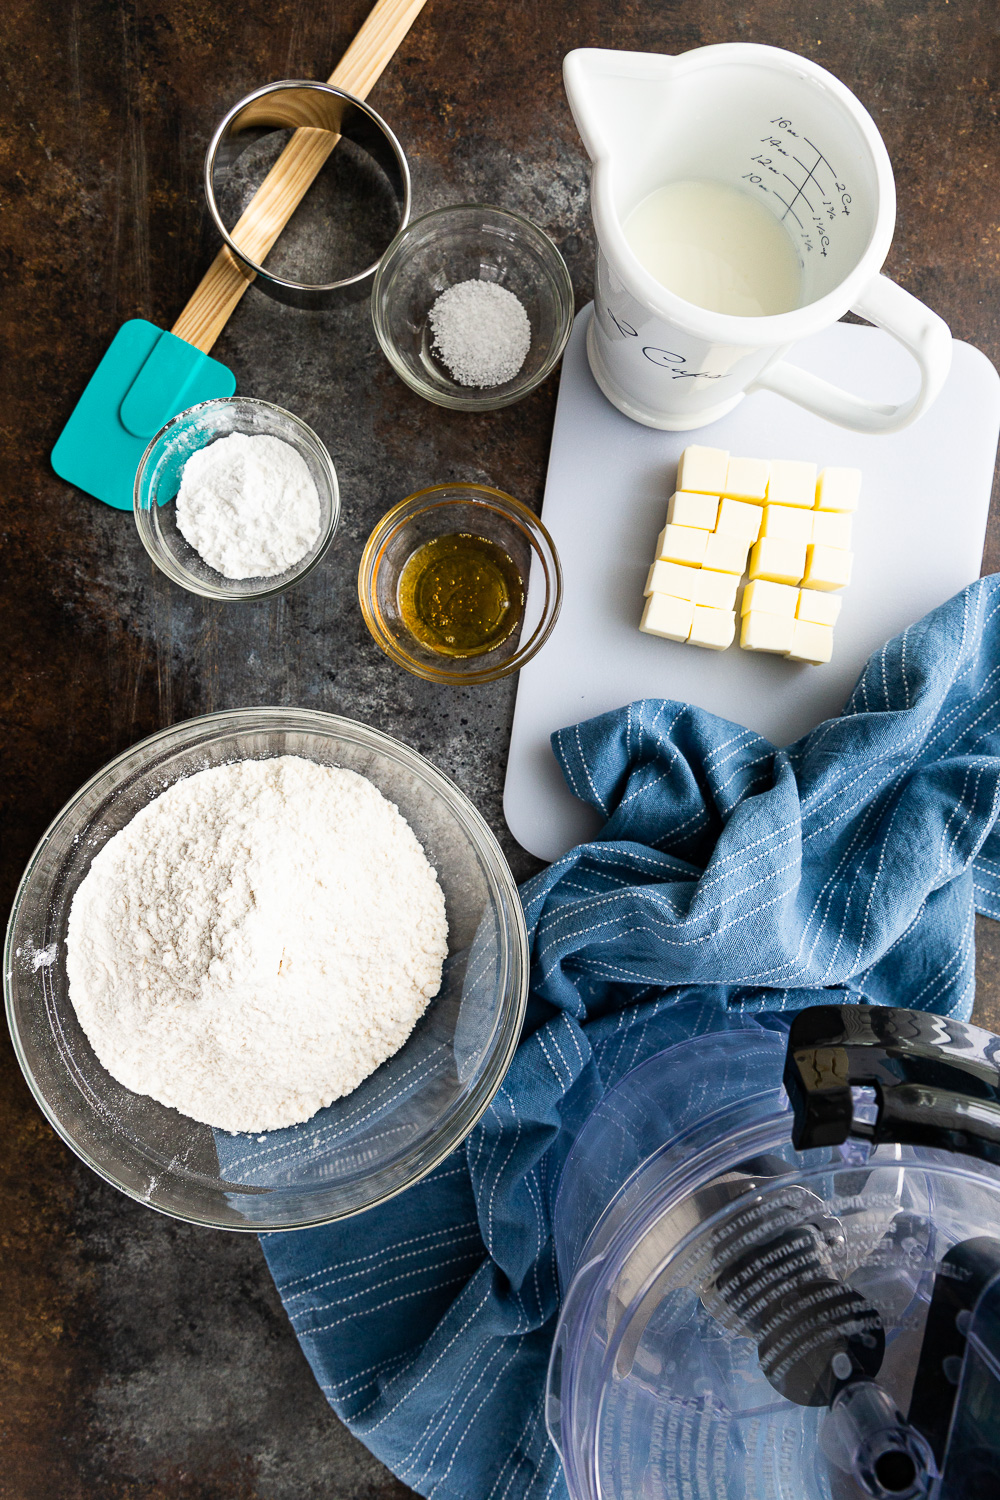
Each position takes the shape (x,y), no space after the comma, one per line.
(673,578)
(827,568)
(831,528)
(698,585)
(683,544)
(790,522)
(686,509)
(770,598)
(791,482)
(838,489)
(668,617)
(812,643)
(717,590)
(738,518)
(746,478)
(819,609)
(779,560)
(763,632)
(726,554)
(703,469)
(712,628)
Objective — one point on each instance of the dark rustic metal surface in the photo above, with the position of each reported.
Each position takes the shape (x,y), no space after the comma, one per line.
(139,1358)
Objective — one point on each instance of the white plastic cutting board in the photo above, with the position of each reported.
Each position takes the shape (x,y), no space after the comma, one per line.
(918,539)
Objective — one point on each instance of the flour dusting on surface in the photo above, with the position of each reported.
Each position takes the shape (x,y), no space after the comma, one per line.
(40,958)
(248,506)
(255,942)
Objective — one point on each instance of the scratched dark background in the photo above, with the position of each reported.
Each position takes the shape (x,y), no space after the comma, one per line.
(140,1359)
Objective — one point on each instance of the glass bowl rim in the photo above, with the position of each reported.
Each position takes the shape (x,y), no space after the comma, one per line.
(165,560)
(511,508)
(477,398)
(461,1117)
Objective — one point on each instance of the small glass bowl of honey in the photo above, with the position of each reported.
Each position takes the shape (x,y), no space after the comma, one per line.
(444,583)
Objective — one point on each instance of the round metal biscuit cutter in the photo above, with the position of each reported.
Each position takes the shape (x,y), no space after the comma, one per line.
(292,104)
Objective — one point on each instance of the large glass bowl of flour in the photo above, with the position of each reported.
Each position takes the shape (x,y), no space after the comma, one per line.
(400,1122)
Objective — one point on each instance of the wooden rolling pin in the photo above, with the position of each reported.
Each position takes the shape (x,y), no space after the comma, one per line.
(288,181)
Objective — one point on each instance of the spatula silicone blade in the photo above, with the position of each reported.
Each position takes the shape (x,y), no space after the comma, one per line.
(146,377)
(147,374)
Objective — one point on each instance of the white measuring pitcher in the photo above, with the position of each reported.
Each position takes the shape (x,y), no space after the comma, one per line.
(781,127)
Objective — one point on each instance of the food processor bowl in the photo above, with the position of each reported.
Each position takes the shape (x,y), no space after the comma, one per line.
(400,1122)
(780,1253)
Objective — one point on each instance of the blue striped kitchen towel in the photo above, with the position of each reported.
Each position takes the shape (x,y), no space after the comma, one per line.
(730,879)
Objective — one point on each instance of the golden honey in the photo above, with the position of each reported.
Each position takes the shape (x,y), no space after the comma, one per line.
(461,595)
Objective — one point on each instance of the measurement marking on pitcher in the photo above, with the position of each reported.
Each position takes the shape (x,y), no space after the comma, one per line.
(800,190)
(819,153)
(789,209)
(834,201)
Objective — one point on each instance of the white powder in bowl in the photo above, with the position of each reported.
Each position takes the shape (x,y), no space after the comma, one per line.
(481,332)
(255,942)
(248,506)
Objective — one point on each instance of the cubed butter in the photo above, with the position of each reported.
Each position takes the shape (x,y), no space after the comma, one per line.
(673,578)
(791,482)
(739,518)
(683,544)
(820,609)
(838,489)
(812,643)
(831,528)
(726,554)
(668,617)
(712,628)
(778,560)
(687,509)
(796,528)
(717,590)
(746,478)
(763,632)
(790,522)
(703,469)
(770,598)
(827,568)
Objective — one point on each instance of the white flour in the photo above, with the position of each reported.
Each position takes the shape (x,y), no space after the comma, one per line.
(481,332)
(255,942)
(248,506)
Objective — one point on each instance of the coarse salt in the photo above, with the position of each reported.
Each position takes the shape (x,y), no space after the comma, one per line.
(481,331)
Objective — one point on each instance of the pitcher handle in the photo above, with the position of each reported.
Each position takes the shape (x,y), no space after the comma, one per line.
(922,332)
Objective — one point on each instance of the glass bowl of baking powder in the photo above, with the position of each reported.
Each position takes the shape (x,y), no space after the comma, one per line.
(472,306)
(236,499)
(400,1122)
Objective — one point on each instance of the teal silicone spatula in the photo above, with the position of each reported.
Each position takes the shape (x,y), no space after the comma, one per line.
(148,375)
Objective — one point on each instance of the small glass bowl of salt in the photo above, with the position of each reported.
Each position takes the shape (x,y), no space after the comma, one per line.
(472,306)
(236,499)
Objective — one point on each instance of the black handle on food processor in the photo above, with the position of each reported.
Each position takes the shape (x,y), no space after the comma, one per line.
(936,1082)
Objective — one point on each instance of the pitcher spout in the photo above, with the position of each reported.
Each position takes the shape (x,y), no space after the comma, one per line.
(614,95)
